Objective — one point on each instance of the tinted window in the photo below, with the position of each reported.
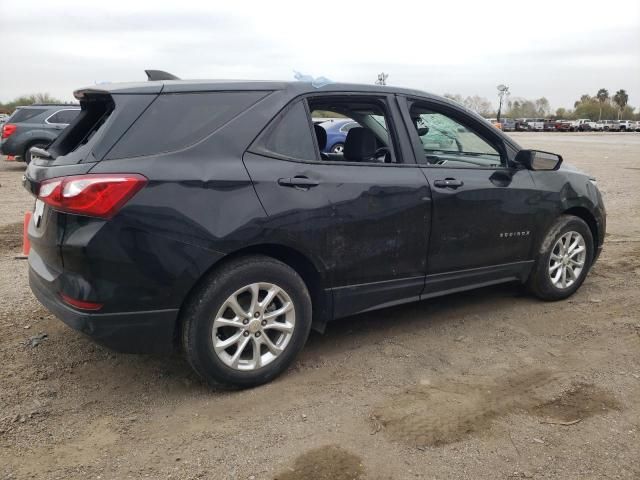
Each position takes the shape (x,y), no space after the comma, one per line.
(289,135)
(178,120)
(24,114)
(63,116)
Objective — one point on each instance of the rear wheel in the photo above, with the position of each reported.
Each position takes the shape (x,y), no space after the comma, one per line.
(247,322)
(27,153)
(563,261)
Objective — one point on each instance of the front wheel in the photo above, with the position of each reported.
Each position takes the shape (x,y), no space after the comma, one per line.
(247,322)
(563,261)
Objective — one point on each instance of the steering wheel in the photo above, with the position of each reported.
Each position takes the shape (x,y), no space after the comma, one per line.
(383,153)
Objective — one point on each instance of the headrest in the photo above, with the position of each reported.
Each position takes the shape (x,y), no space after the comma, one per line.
(321,135)
(360,145)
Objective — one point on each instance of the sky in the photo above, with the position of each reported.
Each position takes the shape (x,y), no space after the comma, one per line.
(556,49)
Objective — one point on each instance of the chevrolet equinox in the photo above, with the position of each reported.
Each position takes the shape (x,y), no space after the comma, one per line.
(205,216)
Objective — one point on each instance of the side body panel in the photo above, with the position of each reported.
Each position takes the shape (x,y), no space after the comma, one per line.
(367,225)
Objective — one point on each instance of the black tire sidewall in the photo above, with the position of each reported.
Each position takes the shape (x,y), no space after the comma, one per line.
(198,340)
(539,281)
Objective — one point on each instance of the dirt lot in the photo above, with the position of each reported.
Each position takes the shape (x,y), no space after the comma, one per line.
(488,384)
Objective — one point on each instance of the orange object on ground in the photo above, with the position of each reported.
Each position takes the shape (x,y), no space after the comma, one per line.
(26,245)
(11,158)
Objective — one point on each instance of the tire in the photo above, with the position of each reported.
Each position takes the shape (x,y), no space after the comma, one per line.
(208,308)
(541,280)
(27,152)
(337,148)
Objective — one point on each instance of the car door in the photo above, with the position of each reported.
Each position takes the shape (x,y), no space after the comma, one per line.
(364,224)
(482,219)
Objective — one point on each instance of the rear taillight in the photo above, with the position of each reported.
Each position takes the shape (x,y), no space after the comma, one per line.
(97,195)
(8,129)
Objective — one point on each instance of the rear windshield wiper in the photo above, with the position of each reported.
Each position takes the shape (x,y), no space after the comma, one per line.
(40,153)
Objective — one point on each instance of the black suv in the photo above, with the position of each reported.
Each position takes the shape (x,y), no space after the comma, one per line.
(34,126)
(203,215)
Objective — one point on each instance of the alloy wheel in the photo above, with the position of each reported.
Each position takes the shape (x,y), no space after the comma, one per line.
(254,326)
(567,260)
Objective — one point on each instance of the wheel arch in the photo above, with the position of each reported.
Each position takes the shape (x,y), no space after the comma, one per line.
(32,142)
(321,301)
(588,217)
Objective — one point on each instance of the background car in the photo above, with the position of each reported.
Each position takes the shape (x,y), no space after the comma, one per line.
(337,133)
(508,124)
(626,125)
(610,125)
(34,126)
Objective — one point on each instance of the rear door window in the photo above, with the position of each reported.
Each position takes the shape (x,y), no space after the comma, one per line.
(178,120)
(63,116)
(24,114)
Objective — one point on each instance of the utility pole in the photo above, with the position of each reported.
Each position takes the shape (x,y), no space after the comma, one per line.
(502,91)
(382,78)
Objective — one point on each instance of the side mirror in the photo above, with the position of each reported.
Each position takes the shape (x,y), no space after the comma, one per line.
(537,160)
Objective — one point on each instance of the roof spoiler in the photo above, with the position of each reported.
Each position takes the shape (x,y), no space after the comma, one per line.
(159,75)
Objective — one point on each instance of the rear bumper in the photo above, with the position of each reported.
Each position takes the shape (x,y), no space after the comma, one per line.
(127,332)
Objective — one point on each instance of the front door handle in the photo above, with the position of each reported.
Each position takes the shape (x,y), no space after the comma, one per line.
(300,182)
(448,183)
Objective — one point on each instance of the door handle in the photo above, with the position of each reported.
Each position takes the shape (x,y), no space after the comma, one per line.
(448,183)
(300,182)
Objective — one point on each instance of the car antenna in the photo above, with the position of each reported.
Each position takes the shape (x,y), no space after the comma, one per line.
(159,75)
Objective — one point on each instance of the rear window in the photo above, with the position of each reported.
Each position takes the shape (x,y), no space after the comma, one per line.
(178,120)
(24,114)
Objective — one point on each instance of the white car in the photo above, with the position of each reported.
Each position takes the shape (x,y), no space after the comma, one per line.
(535,123)
(610,125)
(583,125)
(626,125)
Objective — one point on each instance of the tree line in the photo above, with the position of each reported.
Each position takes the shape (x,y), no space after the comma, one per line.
(601,106)
(9,107)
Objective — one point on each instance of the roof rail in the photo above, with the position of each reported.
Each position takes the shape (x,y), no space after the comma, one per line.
(159,75)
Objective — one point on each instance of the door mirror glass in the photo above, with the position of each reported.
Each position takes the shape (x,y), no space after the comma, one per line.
(537,160)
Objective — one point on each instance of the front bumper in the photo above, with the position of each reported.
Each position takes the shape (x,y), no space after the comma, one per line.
(127,332)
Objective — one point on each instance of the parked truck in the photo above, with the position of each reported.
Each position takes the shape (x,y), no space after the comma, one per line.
(582,125)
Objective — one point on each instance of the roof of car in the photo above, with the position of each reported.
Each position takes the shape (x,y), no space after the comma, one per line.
(177,86)
(50,105)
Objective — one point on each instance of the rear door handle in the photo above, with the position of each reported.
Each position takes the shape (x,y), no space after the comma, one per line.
(448,183)
(300,182)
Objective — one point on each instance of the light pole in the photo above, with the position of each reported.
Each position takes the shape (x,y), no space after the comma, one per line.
(502,91)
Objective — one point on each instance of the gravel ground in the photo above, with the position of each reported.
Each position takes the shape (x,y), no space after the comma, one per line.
(486,384)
